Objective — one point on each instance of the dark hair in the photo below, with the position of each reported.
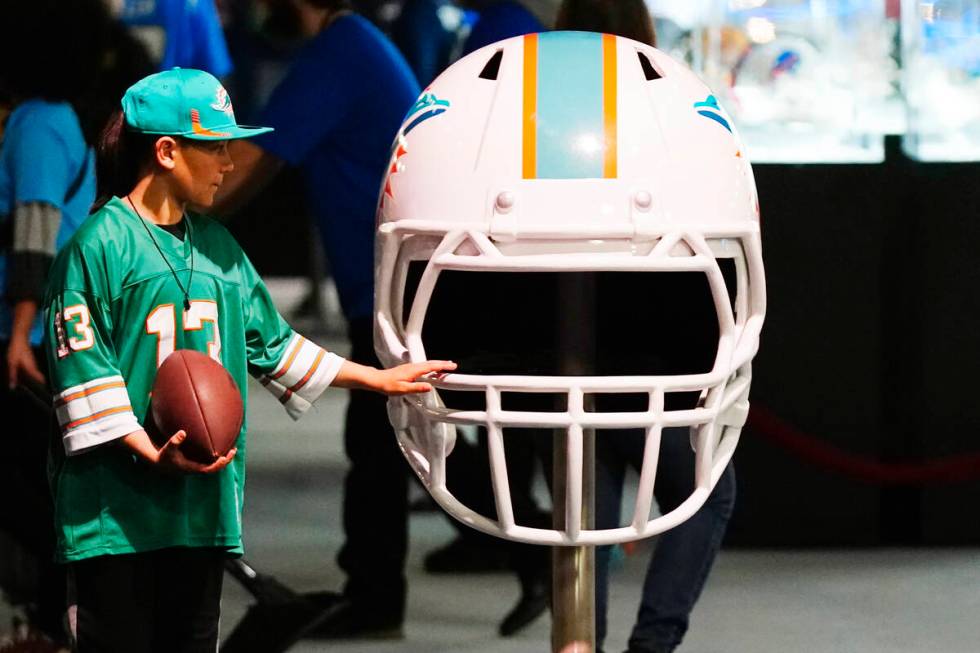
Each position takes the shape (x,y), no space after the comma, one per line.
(629,18)
(69,51)
(123,155)
(125,61)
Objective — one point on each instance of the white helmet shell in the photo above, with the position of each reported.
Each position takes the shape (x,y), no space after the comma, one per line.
(569,151)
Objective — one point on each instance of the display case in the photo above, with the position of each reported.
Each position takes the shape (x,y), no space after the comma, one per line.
(941,79)
(806,81)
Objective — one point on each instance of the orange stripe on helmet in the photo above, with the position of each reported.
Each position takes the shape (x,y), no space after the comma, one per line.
(530,106)
(609,108)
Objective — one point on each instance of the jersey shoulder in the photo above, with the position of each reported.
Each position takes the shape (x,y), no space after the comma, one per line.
(104,227)
(83,261)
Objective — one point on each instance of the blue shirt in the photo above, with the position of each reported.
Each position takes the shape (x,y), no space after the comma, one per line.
(427,33)
(41,158)
(185,33)
(501,21)
(336,114)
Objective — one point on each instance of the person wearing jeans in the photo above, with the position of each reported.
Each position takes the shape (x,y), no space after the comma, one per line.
(683,556)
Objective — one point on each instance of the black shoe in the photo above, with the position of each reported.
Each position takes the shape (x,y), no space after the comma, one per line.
(349,621)
(275,627)
(532,604)
(462,556)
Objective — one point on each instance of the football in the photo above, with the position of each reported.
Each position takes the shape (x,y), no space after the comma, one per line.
(195,393)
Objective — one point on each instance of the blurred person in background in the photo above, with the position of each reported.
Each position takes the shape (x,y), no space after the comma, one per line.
(429,33)
(502,19)
(335,114)
(184,33)
(63,65)
(472,551)
(684,555)
(629,18)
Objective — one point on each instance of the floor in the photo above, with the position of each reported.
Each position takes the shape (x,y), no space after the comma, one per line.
(861,601)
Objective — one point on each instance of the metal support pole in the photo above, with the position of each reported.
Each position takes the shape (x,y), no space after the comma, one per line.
(573,568)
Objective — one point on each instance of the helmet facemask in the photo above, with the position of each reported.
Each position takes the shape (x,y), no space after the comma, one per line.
(677,320)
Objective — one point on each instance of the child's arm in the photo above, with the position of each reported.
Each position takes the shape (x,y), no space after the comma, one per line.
(398,380)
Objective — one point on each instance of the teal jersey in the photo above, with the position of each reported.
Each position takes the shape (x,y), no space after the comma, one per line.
(115,311)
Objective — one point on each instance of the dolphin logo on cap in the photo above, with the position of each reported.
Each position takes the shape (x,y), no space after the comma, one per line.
(222,102)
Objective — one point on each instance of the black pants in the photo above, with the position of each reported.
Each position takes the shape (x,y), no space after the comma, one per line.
(468,477)
(27,512)
(375,497)
(166,601)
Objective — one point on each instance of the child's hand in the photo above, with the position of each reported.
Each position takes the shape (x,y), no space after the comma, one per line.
(400,380)
(169,457)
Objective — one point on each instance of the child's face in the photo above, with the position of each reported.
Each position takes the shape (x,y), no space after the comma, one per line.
(199,169)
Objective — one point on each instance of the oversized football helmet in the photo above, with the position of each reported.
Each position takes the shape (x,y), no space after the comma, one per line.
(569,152)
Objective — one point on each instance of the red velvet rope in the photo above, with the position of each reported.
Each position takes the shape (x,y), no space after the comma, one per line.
(949,469)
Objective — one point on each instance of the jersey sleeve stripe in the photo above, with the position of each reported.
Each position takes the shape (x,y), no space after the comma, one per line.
(80,403)
(299,361)
(294,349)
(94,412)
(308,372)
(97,430)
(65,398)
(97,416)
(90,386)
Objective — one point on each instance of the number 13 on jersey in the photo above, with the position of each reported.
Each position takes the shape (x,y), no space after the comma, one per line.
(162,322)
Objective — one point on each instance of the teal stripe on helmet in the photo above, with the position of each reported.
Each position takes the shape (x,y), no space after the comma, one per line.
(570,137)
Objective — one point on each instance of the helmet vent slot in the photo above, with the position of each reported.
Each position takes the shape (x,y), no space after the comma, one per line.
(649,71)
(492,69)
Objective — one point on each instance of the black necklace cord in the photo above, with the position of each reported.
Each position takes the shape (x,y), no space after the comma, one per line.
(190,242)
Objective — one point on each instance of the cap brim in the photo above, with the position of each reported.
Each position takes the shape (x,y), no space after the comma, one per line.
(228,133)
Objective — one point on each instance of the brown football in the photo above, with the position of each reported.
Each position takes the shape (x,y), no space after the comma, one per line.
(195,393)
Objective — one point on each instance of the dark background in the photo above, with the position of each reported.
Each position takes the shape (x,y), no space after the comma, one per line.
(870,344)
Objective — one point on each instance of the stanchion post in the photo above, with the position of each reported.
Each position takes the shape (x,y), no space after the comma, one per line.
(573,568)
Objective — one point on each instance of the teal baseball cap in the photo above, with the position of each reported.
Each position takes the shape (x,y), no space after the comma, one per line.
(183,102)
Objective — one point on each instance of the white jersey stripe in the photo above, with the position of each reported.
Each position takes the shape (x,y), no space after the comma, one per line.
(82,402)
(284,365)
(94,412)
(110,426)
(305,372)
(89,387)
